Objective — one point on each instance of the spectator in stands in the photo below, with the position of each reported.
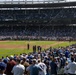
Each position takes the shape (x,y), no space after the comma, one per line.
(2,68)
(53,66)
(72,67)
(25,63)
(43,67)
(18,69)
(10,65)
(65,68)
(34,68)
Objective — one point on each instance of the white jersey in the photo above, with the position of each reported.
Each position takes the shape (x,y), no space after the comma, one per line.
(43,67)
(18,70)
(72,68)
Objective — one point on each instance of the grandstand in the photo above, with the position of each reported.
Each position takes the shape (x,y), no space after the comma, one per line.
(46,20)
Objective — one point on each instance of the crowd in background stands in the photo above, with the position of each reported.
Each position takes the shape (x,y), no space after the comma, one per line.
(40,16)
(52,61)
(30,14)
(36,32)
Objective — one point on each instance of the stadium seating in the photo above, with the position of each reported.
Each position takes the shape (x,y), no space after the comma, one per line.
(32,32)
(45,16)
(6,15)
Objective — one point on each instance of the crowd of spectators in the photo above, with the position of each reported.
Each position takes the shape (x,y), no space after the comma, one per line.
(37,14)
(45,32)
(36,32)
(51,61)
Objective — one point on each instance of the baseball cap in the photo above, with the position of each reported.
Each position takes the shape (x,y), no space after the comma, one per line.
(2,66)
(5,61)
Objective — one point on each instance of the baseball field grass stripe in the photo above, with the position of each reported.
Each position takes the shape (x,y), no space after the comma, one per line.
(17,47)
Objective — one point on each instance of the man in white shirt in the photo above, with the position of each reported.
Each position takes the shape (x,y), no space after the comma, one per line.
(43,67)
(72,67)
(18,69)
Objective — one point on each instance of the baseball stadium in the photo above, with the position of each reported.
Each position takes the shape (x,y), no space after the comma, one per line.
(38,31)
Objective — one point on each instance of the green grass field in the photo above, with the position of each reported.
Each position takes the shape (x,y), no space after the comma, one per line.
(17,47)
